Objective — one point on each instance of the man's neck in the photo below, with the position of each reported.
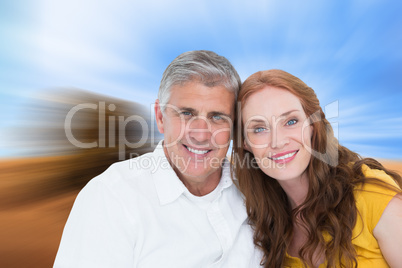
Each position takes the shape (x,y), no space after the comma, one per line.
(200,186)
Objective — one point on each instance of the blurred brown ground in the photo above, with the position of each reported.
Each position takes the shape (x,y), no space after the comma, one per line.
(33,212)
(37,193)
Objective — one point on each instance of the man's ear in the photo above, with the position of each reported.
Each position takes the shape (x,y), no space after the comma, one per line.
(159,117)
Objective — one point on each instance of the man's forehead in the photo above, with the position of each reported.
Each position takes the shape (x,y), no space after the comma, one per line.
(194,87)
(198,96)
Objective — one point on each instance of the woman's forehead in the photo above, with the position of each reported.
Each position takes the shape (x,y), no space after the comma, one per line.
(270,101)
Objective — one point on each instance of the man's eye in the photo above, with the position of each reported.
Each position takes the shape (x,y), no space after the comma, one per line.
(186,113)
(291,122)
(217,117)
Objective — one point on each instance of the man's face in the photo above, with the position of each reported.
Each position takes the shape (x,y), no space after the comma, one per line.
(197,125)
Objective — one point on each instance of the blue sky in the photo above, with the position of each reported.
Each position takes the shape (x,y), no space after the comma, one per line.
(349,52)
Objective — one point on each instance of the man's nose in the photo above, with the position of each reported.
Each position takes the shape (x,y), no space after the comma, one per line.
(199,129)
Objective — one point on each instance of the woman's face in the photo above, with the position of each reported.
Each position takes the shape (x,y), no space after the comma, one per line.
(277,132)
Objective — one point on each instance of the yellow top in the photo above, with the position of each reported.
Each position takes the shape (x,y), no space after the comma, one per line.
(370,203)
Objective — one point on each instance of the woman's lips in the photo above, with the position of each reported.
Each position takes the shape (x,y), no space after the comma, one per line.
(285,157)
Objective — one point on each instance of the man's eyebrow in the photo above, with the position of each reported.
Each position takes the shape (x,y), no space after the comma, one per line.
(195,112)
(187,109)
(210,114)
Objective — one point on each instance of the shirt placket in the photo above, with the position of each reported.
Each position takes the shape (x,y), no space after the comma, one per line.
(221,228)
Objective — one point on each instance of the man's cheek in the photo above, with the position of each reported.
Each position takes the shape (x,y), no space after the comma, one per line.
(221,137)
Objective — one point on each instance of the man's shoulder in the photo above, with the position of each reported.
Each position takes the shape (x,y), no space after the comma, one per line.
(134,167)
(127,175)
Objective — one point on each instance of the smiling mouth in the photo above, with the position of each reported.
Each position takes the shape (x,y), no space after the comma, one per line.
(195,151)
(284,157)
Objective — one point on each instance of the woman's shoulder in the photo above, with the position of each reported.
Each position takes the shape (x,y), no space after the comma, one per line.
(373,196)
(377,181)
(378,174)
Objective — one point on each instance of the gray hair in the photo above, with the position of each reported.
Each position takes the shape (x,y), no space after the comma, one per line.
(203,66)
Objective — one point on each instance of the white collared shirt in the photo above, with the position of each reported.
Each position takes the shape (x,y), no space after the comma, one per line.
(139,214)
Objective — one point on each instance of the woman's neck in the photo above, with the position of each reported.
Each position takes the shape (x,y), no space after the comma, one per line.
(296,190)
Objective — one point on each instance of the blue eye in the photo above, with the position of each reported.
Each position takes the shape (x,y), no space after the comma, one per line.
(291,122)
(216,117)
(259,129)
(186,113)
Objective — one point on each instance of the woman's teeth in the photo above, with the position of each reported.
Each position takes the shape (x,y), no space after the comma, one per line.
(284,156)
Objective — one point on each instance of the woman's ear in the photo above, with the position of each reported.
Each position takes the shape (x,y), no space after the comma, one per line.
(246,146)
(311,131)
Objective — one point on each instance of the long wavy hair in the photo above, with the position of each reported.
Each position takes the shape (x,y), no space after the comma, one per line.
(333,173)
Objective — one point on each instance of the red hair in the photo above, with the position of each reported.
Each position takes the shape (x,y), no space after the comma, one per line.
(330,204)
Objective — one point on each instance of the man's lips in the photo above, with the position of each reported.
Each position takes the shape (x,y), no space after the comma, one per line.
(289,155)
(197,151)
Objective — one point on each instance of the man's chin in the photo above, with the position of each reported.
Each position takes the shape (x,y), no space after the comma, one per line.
(198,172)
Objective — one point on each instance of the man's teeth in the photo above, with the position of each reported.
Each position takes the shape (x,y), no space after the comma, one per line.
(197,151)
(284,156)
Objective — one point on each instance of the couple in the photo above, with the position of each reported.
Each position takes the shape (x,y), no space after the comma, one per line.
(296,198)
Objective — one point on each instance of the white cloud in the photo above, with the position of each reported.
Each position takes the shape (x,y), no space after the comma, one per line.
(374,151)
(363,123)
(60,55)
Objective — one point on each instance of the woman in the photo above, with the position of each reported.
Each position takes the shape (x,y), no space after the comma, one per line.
(311,201)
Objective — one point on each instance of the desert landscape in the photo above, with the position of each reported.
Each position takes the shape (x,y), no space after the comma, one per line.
(35,203)
(37,193)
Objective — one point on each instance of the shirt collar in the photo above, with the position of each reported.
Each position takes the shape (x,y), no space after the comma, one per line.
(168,186)
(226,179)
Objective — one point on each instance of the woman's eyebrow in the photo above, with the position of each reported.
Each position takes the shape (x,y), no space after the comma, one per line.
(258,121)
(282,115)
(289,112)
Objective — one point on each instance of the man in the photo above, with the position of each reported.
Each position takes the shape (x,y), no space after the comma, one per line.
(175,207)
